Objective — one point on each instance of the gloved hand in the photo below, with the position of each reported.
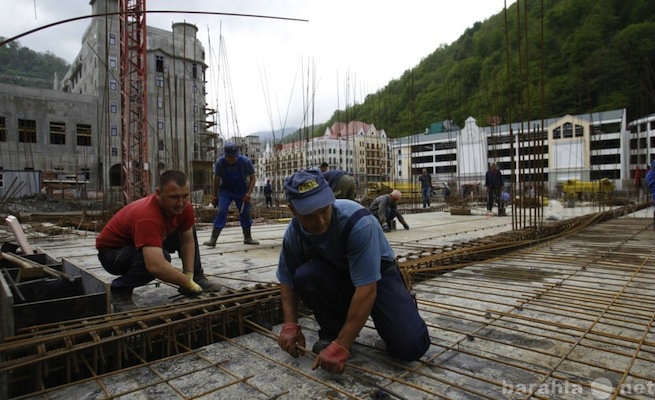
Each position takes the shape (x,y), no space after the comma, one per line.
(385,227)
(291,339)
(214,201)
(332,358)
(406,227)
(246,198)
(190,289)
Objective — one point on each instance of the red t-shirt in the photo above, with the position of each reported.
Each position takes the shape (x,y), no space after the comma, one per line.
(142,223)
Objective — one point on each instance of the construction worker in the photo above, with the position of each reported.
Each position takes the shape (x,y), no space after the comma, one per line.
(337,260)
(137,242)
(234,181)
(342,184)
(385,208)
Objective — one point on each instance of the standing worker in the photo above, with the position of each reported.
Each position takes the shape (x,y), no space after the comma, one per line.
(268,193)
(138,240)
(337,260)
(234,180)
(342,184)
(385,208)
(494,182)
(426,186)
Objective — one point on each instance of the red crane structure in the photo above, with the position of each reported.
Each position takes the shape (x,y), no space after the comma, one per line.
(134,104)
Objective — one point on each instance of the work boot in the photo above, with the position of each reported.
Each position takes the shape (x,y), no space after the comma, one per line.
(247,237)
(212,240)
(206,284)
(122,301)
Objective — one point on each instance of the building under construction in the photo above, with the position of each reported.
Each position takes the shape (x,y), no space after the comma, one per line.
(563,311)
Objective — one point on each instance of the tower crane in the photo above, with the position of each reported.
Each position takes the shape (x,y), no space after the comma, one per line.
(134,104)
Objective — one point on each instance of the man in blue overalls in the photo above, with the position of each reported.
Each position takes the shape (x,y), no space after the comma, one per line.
(336,258)
(230,185)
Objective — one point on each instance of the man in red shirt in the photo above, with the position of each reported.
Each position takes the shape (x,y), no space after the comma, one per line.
(138,240)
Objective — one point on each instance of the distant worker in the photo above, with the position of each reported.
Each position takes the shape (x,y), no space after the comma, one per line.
(234,180)
(342,184)
(336,259)
(650,182)
(138,240)
(638,182)
(385,208)
(426,186)
(268,193)
(494,183)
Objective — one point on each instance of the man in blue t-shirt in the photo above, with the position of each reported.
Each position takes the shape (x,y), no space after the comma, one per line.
(336,258)
(234,180)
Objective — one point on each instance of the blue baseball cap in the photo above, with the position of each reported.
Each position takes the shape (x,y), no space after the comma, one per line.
(230,149)
(307,191)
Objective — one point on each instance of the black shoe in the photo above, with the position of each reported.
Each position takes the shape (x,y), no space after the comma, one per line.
(320,345)
(122,301)
(207,285)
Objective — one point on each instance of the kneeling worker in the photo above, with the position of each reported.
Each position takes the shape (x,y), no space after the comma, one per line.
(336,258)
(137,241)
(385,208)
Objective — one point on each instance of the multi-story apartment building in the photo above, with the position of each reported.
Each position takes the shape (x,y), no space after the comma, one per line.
(50,136)
(355,147)
(177,135)
(583,147)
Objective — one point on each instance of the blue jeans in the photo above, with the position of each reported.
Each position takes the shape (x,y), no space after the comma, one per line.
(426,196)
(327,290)
(128,262)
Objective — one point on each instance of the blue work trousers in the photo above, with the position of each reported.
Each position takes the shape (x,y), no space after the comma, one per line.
(328,291)
(128,262)
(224,201)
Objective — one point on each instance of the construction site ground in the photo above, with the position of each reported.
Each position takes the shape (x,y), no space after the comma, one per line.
(569,318)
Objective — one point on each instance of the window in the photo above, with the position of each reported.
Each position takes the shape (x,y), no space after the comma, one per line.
(579,131)
(114,151)
(2,181)
(160,102)
(57,133)
(26,130)
(195,88)
(160,124)
(160,145)
(83,135)
(112,62)
(112,40)
(113,85)
(159,81)
(159,63)
(557,133)
(114,130)
(113,107)
(3,130)
(194,71)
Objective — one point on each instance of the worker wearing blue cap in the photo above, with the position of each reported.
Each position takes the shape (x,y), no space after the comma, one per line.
(234,180)
(336,258)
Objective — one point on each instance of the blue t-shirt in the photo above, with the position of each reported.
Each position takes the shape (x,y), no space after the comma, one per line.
(367,246)
(233,176)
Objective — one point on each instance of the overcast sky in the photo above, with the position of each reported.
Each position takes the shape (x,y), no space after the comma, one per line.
(346,50)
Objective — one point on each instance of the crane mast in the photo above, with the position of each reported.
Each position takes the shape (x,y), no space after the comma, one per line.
(134,105)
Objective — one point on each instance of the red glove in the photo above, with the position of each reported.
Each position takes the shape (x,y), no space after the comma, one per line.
(291,339)
(332,358)
(246,198)
(214,201)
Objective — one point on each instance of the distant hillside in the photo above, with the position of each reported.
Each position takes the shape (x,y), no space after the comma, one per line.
(25,67)
(596,55)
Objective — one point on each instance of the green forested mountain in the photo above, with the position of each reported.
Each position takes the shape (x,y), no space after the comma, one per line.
(25,67)
(593,55)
